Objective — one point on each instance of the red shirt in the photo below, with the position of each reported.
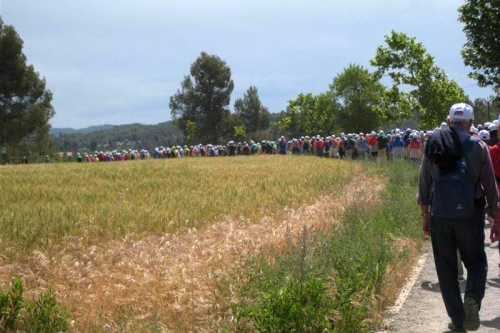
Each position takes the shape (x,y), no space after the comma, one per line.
(415,144)
(372,141)
(495,159)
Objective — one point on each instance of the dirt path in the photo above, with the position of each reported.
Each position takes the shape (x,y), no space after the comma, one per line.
(423,310)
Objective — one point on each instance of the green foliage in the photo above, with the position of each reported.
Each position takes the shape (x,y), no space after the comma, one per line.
(308,114)
(239,132)
(135,136)
(481,19)
(190,130)
(334,277)
(25,104)
(359,94)
(296,307)
(41,316)
(485,109)
(11,303)
(254,115)
(408,63)
(44,315)
(203,98)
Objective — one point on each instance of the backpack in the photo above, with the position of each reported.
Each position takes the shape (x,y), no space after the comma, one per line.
(453,195)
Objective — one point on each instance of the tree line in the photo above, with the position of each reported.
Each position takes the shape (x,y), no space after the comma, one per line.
(355,101)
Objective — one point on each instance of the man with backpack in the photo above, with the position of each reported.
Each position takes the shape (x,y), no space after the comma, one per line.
(456,185)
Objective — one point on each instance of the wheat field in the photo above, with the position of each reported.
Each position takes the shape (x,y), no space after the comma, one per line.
(144,245)
(40,203)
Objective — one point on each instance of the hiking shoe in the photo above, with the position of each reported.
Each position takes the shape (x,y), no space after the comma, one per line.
(456,328)
(471,308)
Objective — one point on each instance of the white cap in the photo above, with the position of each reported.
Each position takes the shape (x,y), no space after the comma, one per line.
(492,128)
(484,135)
(461,111)
(443,125)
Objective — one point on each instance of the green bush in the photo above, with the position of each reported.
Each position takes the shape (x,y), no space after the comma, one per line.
(11,303)
(43,315)
(296,307)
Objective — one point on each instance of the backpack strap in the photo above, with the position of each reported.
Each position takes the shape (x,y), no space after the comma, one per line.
(468,144)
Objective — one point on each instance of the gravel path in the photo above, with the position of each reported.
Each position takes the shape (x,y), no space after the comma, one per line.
(423,310)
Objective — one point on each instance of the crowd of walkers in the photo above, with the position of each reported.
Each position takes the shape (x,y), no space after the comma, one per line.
(395,144)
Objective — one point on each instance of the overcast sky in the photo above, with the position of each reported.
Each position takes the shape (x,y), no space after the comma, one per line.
(119,61)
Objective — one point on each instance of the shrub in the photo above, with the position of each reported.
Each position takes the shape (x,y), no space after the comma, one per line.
(296,307)
(43,315)
(11,303)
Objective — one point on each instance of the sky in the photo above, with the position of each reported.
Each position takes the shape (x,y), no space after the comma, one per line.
(119,61)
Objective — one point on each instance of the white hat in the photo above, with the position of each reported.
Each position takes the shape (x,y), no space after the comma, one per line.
(484,135)
(461,111)
(492,128)
(443,125)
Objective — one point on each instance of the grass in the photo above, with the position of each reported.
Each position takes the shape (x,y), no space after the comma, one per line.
(360,266)
(223,244)
(42,202)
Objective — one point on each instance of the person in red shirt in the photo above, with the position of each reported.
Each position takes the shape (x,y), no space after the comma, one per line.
(495,160)
(319,147)
(372,145)
(415,148)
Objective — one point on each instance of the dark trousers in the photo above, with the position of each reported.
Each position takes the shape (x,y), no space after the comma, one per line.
(466,235)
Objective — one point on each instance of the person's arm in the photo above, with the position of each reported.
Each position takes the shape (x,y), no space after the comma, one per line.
(424,194)
(426,219)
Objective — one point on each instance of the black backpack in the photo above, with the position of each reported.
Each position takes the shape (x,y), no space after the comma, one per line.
(454,189)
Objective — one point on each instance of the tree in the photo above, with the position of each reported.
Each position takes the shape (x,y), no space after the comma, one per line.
(359,94)
(485,109)
(239,132)
(254,115)
(308,114)
(409,65)
(25,104)
(481,19)
(203,99)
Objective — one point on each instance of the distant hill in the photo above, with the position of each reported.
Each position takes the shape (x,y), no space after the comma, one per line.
(55,131)
(109,137)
